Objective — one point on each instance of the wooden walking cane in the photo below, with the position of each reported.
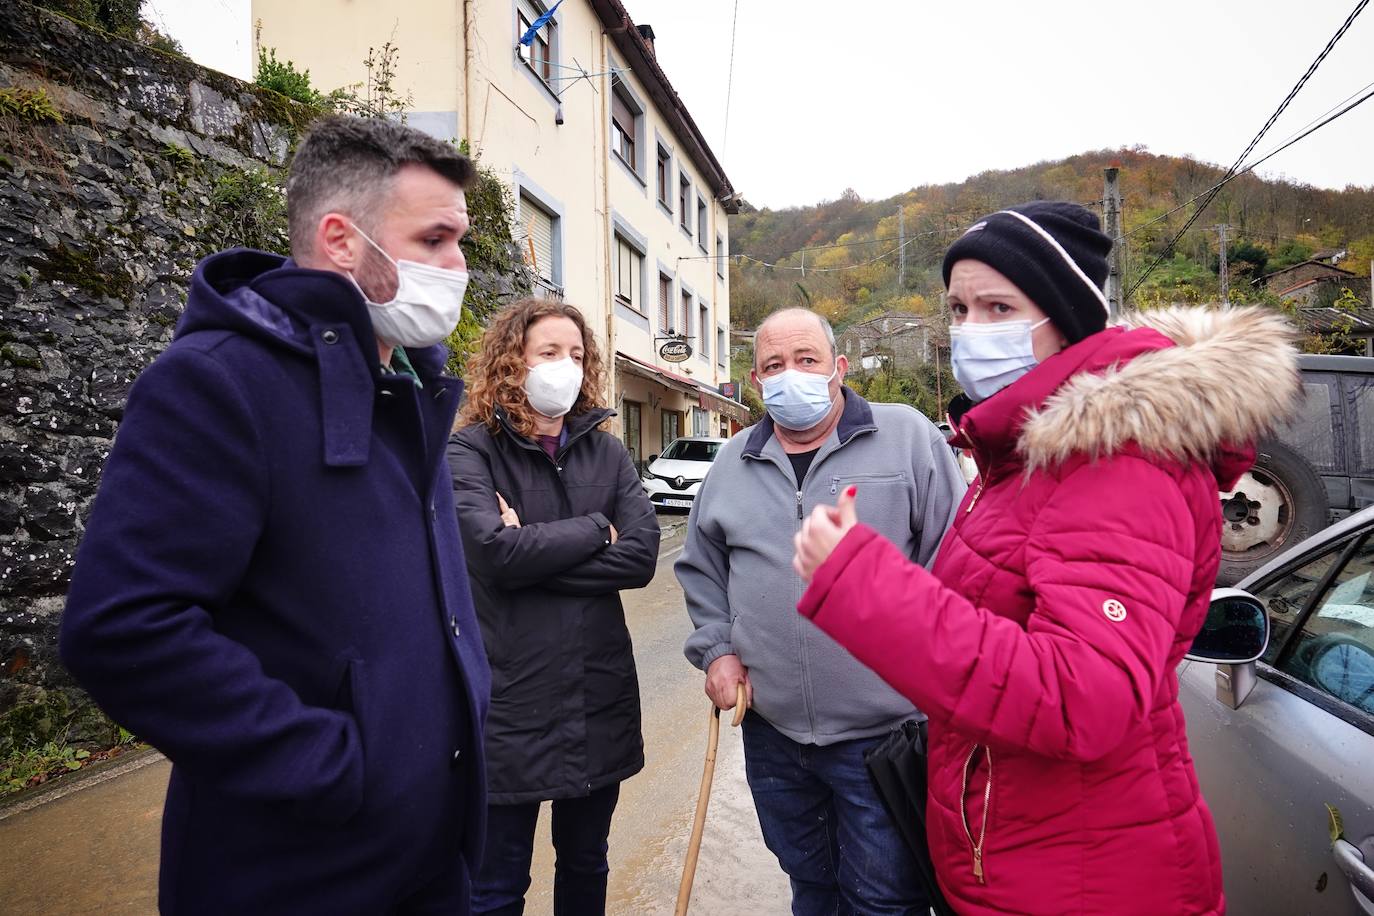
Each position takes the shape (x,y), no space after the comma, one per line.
(689,868)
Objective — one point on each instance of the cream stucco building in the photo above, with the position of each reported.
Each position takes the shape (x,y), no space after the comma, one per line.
(620,202)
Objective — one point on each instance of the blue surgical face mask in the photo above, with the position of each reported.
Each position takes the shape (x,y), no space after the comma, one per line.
(987,357)
(797,400)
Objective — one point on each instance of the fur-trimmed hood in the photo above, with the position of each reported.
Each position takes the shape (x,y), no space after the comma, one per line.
(1229,378)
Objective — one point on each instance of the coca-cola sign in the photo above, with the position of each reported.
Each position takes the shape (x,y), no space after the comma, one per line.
(675,351)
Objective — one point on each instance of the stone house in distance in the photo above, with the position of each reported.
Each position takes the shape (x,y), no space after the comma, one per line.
(1315,282)
(899,341)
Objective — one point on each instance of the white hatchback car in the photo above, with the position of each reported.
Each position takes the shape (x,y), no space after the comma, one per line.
(671,480)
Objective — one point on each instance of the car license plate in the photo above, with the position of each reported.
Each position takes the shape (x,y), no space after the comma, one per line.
(678,503)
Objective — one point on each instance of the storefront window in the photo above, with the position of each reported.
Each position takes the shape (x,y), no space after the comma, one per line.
(672,426)
(632,419)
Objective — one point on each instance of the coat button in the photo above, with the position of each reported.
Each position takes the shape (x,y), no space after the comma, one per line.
(330,337)
(453,624)
(456,759)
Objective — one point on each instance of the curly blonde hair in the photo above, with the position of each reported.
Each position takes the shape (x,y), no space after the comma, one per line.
(495,376)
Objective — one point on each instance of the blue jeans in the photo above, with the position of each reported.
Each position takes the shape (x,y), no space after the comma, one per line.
(822,817)
(580,829)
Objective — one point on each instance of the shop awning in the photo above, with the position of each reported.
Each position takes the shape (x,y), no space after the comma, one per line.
(706,396)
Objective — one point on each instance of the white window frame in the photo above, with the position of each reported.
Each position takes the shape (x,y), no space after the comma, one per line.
(703,346)
(636,164)
(703,223)
(634,300)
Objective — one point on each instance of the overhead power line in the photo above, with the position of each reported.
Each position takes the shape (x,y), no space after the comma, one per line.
(1257,163)
(1292,138)
(831,270)
(729,82)
(774,265)
(903,242)
(1233,170)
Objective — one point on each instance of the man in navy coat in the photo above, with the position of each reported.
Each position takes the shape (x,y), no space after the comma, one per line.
(271,588)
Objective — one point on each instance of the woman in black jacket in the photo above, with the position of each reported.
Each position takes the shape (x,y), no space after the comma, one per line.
(554,523)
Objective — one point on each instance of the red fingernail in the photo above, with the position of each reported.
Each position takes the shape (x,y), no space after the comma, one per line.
(853,490)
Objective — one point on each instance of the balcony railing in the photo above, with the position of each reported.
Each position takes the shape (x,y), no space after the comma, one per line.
(545,289)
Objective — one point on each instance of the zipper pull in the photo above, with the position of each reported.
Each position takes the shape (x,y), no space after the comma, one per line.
(799,505)
(978,866)
(973,502)
(834,485)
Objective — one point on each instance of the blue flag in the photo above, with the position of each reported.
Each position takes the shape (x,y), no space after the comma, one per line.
(528,37)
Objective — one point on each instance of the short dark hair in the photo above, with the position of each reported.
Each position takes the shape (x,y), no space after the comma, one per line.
(346,164)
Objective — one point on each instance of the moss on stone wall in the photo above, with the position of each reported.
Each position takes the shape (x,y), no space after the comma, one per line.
(82,267)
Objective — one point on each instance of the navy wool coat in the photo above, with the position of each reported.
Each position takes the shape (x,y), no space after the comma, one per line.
(272,591)
(565,717)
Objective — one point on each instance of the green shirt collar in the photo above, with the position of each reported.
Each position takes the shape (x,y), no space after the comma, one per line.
(400,365)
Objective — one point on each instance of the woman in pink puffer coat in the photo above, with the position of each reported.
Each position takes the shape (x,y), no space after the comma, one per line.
(1043,643)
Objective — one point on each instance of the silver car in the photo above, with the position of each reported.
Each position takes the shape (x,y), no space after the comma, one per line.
(1282,733)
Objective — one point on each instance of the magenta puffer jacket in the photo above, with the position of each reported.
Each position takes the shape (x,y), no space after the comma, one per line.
(1043,644)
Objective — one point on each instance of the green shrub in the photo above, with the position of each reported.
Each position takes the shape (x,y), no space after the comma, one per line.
(28,105)
(248,209)
(284,78)
(36,765)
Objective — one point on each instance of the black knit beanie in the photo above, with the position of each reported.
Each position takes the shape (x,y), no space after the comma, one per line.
(1054,252)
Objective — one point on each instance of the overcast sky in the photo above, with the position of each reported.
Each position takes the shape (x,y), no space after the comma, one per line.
(885,96)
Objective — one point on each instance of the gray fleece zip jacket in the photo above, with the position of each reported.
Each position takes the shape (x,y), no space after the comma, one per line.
(736,567)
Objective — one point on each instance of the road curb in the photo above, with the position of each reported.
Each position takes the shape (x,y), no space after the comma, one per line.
(85,778)
(672,530)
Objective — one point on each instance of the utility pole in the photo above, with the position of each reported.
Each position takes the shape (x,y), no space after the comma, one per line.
(901,247)
(939,396)
(1224,272)
(1111,222)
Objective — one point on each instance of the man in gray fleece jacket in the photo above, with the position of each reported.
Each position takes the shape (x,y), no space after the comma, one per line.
(814,708)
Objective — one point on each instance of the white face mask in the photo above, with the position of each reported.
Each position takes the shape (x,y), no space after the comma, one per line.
(552,388)
(987,357)
(426,307)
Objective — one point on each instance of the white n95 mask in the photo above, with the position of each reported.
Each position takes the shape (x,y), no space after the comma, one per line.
(552,388)
(427,305)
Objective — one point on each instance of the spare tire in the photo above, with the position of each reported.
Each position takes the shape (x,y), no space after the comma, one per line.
(1276,504)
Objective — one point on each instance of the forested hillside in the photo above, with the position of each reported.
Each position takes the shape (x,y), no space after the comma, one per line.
(849,247)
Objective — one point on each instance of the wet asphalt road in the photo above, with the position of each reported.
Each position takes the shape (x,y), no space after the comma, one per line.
(96,850)
(735,872)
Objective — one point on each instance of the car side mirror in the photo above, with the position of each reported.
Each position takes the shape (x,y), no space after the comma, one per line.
(1235,632)
(652,459)
(1233,637)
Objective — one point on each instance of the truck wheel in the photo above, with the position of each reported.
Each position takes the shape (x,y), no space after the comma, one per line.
(1276,504)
